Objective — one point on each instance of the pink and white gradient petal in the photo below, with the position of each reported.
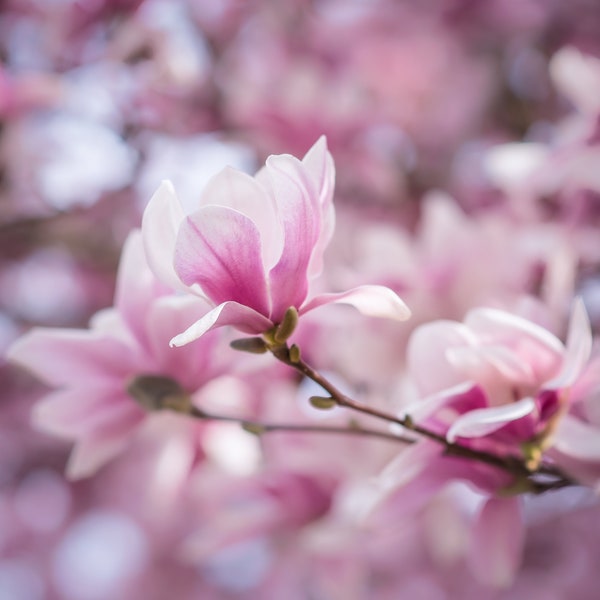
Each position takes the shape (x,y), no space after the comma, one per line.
(542,350)
(62,356)
(318,163)
(299,218)
(369,300)
(424,408)
(160,224)
(483,421)
(578,348)
(229,313)
(72,413)
(241,192)
(219,249)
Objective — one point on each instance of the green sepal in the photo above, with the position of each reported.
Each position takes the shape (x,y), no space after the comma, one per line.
(254,345)
(322,402)
(287,326)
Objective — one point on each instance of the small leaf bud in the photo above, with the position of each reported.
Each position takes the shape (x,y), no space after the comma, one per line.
(155,392)
(287,326)
(294,354)
(254,428)
(254,345)
(322,402)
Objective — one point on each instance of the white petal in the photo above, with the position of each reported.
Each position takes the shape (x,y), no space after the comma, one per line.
(160,225)
(425,407)
(484,421)
(370,300)
(229,313)
(579,348)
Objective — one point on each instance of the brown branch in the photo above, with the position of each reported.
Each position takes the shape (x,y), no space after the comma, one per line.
(511,464)
(258,427)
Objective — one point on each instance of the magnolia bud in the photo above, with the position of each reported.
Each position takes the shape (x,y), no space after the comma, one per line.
(155,392)
(254,345)
(287,326)
(322,402)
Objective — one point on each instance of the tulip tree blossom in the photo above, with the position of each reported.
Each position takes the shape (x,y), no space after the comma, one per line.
(93,370)
(254,245)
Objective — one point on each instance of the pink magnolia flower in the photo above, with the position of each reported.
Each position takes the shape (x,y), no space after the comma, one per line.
(254,245)
(497,383)
(576,444)
(93,368)
(497,380)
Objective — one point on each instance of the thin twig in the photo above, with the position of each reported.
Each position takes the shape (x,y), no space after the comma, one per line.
(259,427)
(510,464)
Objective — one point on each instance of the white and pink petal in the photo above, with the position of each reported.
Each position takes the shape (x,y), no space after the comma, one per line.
(67,356)
(160,225)
(484,421)
(229,313)
(369,300)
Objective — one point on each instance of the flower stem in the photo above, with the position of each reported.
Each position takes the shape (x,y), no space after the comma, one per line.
(259,427)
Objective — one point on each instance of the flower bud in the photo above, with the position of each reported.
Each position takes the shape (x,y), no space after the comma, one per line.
(294,354)
(254,345)
(322,402)
(287,326)
(155,392)
(254,428)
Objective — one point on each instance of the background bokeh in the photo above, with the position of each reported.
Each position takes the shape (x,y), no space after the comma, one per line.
(466,138)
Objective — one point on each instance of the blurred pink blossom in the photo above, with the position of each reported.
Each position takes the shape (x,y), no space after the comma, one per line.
(93,368)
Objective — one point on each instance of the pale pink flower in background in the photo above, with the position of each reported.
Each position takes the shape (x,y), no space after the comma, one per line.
(91,369)
(255,245)
(496,376)
(495,382)
(576,444)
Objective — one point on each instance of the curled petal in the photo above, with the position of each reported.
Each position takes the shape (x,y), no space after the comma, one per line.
(299,216)
(533,344)
(370,300)
(578,350)
(426,407)
(160,224)
(471,360)
(220,249)
(320,168)
(483,421)
(229,313)
(497,542)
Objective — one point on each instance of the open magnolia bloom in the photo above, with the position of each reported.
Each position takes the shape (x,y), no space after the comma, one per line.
(496,383)
(104,376)
(254,245)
